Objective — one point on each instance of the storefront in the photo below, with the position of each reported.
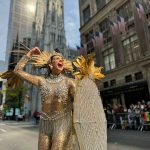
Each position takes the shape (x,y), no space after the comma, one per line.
(126,94)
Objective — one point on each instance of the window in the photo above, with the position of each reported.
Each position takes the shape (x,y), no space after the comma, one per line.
(125,12)
(27,41)
(1,83)
(86,14)
(53,37)
(112,82)
(100,4)
(82,2)
(106,84)
(146,6)
(1,99)
(109,59)
(104,28)
(138,76)
(131,48)
(89,36)
(128,78)
(53,13)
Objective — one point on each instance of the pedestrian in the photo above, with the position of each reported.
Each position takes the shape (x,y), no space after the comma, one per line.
(36,116)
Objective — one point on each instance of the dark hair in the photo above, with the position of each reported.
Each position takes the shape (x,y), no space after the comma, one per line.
(48,72)
(52,57)
(57,50)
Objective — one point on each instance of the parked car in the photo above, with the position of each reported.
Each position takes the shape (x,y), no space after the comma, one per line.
(20,118)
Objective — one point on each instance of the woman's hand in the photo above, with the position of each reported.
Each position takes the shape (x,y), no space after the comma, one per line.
(34,51)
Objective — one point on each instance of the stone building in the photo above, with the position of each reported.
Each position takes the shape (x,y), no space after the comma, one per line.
(48,27)
(125,56)
(21,17)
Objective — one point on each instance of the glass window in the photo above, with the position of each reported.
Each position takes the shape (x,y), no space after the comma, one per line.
(104,28)
(89,36)
(82,2)
(125,12)
(131,48)
(128,78)
(112,82)
(1,99)
(53,13)
(138,76)
(100,4)
(1,83)
(109,59)
(105,84)
(86,14)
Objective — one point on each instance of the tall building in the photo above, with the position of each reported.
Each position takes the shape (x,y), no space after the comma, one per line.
(125,55)
(21,18)
(48,28)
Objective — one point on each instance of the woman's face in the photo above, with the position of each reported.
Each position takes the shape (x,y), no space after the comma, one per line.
(57,63)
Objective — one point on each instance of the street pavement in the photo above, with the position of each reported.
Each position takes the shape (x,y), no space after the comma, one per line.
(24,136)
(128,140)
(18,136)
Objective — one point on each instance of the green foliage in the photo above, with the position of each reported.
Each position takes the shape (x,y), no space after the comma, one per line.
(14,98)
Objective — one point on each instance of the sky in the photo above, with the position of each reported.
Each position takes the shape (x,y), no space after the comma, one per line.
(71,13)
(72,23)
(4,16)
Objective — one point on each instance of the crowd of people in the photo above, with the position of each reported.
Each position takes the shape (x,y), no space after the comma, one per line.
(136,116)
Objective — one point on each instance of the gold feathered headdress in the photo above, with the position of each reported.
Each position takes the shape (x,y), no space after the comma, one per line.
(13,80)
(44,59)
(86,68)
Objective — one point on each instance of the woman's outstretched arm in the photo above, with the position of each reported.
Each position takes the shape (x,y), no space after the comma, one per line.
(35,80)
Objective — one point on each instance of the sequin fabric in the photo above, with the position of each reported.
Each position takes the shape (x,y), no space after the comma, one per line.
(56,116)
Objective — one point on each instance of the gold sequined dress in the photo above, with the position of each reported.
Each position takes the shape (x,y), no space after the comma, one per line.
(56,117)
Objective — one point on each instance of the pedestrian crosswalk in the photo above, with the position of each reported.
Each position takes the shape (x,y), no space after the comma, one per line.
(3,130)
(2,124)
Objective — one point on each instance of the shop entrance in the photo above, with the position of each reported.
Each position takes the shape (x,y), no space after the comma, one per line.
(137,94)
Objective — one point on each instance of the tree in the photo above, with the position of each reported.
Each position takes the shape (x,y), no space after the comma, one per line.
(14,98)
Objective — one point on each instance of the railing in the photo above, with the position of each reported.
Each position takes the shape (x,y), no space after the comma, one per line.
(128,121)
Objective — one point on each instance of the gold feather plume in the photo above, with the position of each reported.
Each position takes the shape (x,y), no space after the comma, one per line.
(13,80)
(43,60)
(86,68)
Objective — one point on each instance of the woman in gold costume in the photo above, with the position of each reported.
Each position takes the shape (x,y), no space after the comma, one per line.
(57,92)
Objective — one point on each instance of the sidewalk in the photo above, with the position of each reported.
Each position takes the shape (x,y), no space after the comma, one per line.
(13,122)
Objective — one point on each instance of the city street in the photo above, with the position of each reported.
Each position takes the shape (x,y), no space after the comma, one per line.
(24,136)
(18,136)
(128,140)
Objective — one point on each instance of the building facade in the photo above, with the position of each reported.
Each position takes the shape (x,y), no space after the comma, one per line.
(48,28)
(124,56)
(21,17)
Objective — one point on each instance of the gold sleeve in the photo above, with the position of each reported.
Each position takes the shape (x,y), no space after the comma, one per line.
(35,80)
